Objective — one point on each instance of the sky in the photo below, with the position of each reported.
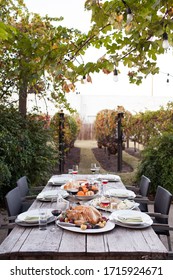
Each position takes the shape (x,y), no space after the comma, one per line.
(153,92)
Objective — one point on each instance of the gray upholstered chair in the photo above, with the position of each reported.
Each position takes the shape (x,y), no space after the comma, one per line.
(26,193)
(160,216)
(14,203)
(142,191)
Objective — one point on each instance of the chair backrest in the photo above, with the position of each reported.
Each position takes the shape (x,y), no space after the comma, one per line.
(144,185)
(162,203)
(22,183)
(13,202)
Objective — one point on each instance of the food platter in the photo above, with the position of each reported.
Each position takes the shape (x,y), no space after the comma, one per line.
(113,204)
(72,184)
(82,190)
(108,227)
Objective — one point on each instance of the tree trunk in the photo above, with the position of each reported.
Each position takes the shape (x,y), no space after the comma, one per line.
(23,97)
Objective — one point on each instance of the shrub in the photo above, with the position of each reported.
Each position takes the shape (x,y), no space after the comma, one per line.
(24,149)
(157,162)
(72,125)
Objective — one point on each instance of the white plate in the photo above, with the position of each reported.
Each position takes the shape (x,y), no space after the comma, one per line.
(109,226)
(122,217)
(22,218)
(109,177)
(51,194)
(130,205)
(145,225)
(58,181)
(121,193)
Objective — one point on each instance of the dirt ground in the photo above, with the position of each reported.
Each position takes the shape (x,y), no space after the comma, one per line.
(108,163)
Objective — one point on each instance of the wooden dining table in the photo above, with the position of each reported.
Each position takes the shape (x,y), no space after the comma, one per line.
(120,243)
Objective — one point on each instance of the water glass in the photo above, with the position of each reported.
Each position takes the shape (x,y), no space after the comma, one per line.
(42,219)
(62,204)
(97,169)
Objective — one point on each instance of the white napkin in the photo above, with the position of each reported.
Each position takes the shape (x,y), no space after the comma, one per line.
(123,194)
(52,194)
(130,219)
(31,219)
(109,177)
(58,180)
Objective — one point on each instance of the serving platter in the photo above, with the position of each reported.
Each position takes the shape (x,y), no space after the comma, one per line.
(108,227)
(113,204)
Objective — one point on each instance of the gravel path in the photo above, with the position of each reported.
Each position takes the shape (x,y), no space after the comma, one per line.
(86,156)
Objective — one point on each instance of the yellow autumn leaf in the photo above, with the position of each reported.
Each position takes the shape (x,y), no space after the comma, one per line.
(66,87)
(106,71)
(89,80)
(119,18)
(72,87)
(128,27)
(54,47)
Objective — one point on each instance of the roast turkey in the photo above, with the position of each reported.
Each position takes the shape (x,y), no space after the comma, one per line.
(82,214)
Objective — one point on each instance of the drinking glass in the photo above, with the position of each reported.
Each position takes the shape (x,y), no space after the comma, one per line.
(103,185)
(61,205)
(42,219)
(97,169)
(93,167)
(70,172)
(75,169)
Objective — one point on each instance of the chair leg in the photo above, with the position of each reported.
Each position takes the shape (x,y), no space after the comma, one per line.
(169,242)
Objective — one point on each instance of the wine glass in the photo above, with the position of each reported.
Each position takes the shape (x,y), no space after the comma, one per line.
(75,169)
(61,206)
(72,193)
(93,167)
(103,185)
(55,213)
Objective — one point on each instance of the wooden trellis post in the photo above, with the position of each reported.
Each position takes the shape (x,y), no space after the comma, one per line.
(120,141)
(61,142)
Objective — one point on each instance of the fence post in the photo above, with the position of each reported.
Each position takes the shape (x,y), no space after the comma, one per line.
(120,140)
(61,142)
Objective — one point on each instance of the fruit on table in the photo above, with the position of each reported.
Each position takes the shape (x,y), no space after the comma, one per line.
(87,189)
